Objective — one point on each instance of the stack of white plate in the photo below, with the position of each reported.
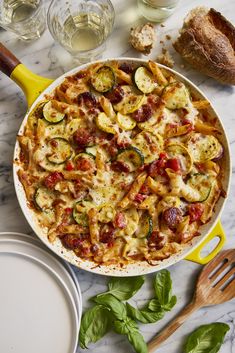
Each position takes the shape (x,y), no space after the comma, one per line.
(40,298)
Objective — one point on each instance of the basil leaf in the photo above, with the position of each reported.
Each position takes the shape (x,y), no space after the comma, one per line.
(154,304)
(124,288)
(145,316)
(129,328)
(117,308)
(94,325)
(124,327)
(137,341)
(206,338)
(171,304)
(162,286)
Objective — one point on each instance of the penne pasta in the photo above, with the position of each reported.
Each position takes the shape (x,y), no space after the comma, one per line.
(202,104)
(69,109)
(123,76)
(93,225)
(157,187)
(107,107)
(100,161)
(158,75)
(115,173)
(177,130)
(135,188)
(205,128)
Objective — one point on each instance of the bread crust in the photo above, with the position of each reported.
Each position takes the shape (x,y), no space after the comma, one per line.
(207,42)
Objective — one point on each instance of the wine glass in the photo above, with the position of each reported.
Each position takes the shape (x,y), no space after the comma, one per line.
(81,26)
(26,18)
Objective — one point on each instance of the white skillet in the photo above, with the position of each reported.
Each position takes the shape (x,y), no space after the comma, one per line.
(20,74)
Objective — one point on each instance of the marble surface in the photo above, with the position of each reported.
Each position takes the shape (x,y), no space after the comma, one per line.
(47,58)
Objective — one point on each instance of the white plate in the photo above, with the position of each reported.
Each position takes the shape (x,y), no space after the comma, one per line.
(34,247)
(38,313)
(34,250)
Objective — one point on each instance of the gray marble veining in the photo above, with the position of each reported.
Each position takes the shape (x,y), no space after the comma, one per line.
(46,58)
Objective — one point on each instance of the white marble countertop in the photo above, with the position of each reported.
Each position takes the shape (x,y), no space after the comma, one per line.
(47,58)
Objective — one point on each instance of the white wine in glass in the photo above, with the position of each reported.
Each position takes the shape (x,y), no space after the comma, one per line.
(26,18)
(81,27)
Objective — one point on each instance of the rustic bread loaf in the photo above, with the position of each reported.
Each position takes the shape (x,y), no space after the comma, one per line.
(207,42)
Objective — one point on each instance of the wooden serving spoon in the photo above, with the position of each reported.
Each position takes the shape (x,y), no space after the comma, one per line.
(215,285)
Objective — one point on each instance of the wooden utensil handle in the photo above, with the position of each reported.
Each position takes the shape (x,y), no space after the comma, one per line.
(173,326)
(8,61)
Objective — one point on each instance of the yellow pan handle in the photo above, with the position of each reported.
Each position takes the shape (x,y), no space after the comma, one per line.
(195,255)
(31,84)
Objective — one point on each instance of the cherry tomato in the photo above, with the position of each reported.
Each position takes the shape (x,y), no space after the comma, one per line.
(69,166)
(174,164)
(195,211)
(52,179)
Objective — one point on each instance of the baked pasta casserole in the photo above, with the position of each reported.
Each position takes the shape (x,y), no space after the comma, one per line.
(121,163)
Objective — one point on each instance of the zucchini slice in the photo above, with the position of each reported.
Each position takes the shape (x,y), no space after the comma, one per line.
(204,147)
(103,79)
(125,122)
(131,156)
(80,210)
(55,130)
(37,112)
(73,126)
(60,152)
(43,198)
(51,114)
(130,102)
(144,80)
(104,123)
(85,156)
(92,150)
(178,150)
(175,95)
(150,150)
(145,227)
(201,183)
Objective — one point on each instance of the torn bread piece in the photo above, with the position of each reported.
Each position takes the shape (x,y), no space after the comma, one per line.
(142,38)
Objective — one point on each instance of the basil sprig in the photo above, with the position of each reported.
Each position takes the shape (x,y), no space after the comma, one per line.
(206,338)
(163,301)
(110,312)
(121,322)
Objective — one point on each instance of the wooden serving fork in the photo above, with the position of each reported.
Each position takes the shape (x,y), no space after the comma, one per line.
(215,285)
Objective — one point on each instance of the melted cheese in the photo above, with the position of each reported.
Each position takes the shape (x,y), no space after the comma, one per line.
(117,202)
